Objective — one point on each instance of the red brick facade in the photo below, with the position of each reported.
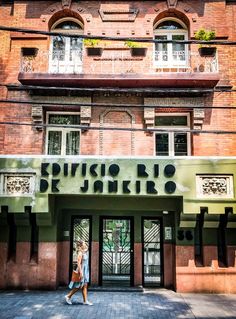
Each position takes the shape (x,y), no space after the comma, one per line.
(117,77)
(40,15)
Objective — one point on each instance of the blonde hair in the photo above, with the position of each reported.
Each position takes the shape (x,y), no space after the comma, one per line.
(80,244)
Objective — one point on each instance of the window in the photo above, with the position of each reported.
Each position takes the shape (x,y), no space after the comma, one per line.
(171,54)
(66,53)
(62,140)
(172,143)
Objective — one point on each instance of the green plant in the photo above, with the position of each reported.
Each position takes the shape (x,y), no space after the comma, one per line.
(132,44)
(205,35)
(91,42)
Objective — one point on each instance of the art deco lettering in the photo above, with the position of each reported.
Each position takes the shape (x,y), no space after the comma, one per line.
(102,178)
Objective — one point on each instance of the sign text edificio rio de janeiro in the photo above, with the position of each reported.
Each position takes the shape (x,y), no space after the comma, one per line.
(92,177)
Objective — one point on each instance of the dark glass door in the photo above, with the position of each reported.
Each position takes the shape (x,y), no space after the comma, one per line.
(152,261)
(117,252)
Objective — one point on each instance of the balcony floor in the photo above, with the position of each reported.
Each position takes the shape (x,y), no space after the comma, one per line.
(162,79)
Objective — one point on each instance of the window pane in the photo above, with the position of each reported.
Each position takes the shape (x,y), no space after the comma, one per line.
(161,49)
(162,144)
(181,146)
(58,50)
(64,119)
(171,121)
(54,143)
(68,25)
(169,25)
(75,49)
(178,49)
(72,143)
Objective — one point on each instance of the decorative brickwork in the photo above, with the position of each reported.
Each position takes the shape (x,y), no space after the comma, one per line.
(85,111)
(117,15)
(149,117)
(123,112)
(37,116)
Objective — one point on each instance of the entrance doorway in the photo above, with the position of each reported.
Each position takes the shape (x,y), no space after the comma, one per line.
(116,251)
(152,252)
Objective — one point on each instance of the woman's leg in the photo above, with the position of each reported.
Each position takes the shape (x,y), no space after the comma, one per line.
(73,291)
(85,292)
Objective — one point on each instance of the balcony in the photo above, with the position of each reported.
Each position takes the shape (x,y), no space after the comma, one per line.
(118,68)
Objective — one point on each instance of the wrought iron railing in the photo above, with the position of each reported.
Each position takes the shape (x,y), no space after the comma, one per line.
(185,61)
(118,62)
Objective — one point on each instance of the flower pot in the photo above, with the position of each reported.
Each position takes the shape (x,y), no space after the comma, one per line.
(207,51)
(91,51)
(138,51)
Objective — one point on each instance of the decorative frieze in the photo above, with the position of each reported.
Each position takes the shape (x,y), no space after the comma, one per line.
(214,186)
(17,184)
(175,101)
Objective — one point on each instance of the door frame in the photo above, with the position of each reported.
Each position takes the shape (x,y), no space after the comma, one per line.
(131,218)
(73,217)
(161,247)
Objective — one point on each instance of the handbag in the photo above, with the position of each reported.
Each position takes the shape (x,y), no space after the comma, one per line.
(76,277)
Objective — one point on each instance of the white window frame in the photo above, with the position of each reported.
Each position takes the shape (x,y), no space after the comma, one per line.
(171,63)
(171,138)
(66,66)
(63,130)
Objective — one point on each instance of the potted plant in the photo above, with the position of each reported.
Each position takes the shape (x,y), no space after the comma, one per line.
(136,48)
(92,47)
(205,35)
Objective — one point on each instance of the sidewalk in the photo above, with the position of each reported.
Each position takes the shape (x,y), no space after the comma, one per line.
(149,304)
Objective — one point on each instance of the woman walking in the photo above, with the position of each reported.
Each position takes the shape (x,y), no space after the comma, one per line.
(83,271)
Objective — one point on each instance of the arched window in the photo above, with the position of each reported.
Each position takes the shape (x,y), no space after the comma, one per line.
(167,54)
(66,52)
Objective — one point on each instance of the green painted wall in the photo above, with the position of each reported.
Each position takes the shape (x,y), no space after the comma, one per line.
(56,205)
(184,178)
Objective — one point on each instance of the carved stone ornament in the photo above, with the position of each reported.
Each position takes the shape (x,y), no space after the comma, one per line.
(215,186)
(17,184)
(172,3)
(66,4)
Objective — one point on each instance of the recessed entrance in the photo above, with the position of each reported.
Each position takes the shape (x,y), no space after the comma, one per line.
(116,251)
(152,249)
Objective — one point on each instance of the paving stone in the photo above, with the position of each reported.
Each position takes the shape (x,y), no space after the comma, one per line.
(150,304)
